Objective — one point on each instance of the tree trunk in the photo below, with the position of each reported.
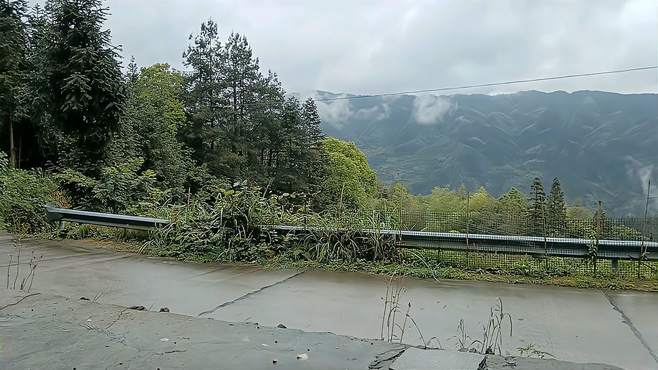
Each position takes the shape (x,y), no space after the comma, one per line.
(12,147)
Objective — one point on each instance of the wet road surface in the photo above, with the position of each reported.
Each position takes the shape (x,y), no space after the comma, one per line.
(619,328)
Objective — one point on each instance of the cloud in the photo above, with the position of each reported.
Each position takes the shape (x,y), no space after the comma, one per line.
(429,109)
(375,113)
(375,46)
(644,173)
(336,112)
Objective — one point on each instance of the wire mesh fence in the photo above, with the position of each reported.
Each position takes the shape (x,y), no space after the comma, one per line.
(517,244)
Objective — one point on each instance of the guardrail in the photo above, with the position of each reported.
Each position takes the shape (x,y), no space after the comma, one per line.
(62,215)
(483,243)
(512,244)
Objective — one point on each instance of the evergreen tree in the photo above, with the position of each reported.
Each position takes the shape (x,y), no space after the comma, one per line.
(315,160)
(556,210)
(204,100)
(241,76)
(288,163)
(267,118)
(537,208)
(600,221)
(78,80)
(13,69)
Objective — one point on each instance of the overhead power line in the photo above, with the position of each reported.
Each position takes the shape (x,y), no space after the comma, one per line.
(562,77)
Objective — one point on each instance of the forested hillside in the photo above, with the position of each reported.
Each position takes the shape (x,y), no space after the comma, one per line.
(223,152)
(80,130)
(67,104)
(602,146)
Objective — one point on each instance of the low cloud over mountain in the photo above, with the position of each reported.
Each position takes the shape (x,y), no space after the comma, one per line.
(602,146)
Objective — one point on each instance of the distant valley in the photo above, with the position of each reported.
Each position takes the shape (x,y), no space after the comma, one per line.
(602,146)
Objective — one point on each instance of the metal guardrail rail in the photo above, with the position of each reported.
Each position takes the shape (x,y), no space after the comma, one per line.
(484,243)
(511,244)
(62,215)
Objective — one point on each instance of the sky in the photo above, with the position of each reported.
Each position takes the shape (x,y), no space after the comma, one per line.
(366,47)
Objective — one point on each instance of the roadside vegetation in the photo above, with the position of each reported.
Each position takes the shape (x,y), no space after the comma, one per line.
(222,150)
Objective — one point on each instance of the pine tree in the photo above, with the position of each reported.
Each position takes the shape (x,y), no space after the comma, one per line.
(556,210)
(600,221)
(314,167)
(13,68)
(78,80)
(204,100)
(537,208)
(241,75)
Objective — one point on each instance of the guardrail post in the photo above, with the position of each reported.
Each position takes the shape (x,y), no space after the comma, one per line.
(614,264)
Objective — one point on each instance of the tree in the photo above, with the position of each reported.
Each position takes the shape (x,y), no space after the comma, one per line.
(153,115)
(203,93)
(314,166)
(350,181)
(13,67)
(77,80)
(513,208)
(556,210)
(240,72)
(600,221)
(537,208)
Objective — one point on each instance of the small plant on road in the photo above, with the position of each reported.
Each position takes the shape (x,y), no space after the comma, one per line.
(493,332)
(397,318)
(15,279)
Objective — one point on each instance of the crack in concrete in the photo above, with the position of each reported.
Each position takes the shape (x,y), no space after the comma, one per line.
(386,359)
(627,320)
(19,301)
(250,294)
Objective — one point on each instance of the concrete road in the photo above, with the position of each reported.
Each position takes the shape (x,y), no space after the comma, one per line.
(619,328)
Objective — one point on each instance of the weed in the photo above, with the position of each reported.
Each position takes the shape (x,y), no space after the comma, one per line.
(491,341)
(16,279)
(391,329)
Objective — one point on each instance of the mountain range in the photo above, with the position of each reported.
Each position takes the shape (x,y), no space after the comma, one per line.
(601,145)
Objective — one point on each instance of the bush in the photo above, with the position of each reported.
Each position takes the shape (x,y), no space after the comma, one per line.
(23,195)
(222,225)
(122,188)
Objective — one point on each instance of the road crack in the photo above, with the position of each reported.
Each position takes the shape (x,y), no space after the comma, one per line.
(19,301)
(254,292)
(627,320)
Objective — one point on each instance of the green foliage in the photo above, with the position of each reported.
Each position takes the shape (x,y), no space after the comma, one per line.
(77,82)
(123,188)
(350,181)
(513,207)
(556,210)
(240,123)
(22,197)
(224,226)
(4,163)
(13,68)
(537,208)
(153,115)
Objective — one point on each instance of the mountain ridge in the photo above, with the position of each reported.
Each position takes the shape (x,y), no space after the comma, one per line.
(602,145)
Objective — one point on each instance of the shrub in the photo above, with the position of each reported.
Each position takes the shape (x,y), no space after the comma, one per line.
(23,195)
(224,225)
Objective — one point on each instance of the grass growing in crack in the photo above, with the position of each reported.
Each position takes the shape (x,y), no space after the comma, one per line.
(533,352)
(16,279)
(392,330)
(491,340)
(397,318)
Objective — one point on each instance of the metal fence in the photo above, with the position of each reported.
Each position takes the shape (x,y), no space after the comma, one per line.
(615,246)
